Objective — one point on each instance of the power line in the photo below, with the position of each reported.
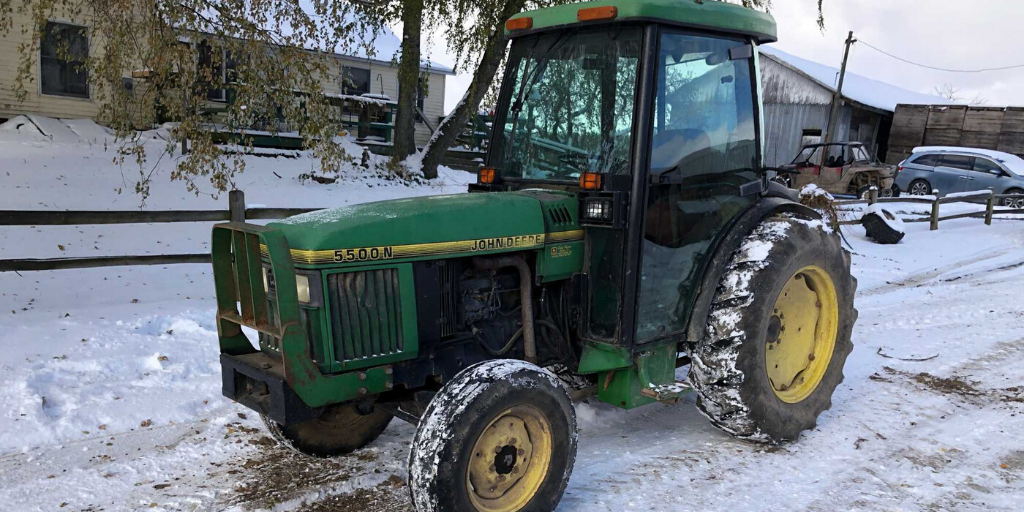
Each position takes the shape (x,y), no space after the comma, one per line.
(865,43)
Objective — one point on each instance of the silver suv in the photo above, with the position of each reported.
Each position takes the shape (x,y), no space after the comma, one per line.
(950,170)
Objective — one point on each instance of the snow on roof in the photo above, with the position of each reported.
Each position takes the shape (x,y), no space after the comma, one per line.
(1012,162)
(861,89)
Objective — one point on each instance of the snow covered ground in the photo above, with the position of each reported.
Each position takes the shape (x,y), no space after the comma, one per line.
(110,385)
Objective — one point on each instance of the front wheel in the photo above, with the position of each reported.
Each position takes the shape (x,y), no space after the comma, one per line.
(499,437)
(778,334)
(1011,202)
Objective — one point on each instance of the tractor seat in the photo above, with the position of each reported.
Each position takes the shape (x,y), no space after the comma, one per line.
(672,146)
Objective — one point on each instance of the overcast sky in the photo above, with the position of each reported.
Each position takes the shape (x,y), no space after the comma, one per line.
(952,34)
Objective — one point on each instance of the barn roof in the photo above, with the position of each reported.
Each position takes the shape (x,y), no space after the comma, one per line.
(857,88)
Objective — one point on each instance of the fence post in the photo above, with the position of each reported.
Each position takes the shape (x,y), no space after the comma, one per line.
(236,205)
(872,195)
(935,211)
(989,207)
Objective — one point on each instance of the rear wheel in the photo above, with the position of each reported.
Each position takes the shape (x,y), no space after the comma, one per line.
(499,437)
(778,334)
(339,430)
(919,188)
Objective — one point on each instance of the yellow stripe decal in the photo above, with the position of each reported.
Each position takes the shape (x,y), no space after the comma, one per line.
(392,252)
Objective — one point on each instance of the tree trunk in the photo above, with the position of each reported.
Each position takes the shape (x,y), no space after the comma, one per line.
(408,79)
(452,125)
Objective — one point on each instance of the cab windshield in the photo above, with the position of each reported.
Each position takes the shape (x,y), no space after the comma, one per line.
(570,108)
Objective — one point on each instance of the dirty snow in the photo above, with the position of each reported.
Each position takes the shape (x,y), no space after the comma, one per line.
(929,417)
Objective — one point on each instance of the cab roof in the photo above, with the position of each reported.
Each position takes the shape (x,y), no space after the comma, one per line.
(702,14)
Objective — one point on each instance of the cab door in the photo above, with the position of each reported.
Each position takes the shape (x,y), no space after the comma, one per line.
(701,171)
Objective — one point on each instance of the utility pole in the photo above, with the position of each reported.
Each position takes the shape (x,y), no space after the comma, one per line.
(837,98)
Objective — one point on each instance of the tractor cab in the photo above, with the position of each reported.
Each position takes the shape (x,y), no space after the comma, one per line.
(649,112)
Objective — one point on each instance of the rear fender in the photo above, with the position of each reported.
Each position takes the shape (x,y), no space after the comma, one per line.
(723,254)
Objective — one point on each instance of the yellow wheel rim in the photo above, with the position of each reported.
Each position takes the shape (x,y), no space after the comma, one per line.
(801,334)
(509,460)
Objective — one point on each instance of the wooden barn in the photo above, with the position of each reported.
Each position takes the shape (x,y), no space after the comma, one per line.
(996,128)
(798,100)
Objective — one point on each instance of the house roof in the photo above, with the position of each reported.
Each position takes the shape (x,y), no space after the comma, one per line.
(857,88)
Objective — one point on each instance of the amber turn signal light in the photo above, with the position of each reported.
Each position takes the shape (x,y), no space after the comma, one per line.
(590,181)
(597,13)
(519,24)
(486,175)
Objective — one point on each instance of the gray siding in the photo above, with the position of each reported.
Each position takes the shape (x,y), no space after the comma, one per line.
(783,85)
(784,126)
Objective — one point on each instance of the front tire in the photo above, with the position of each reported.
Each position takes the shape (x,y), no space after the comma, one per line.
(340,429)
(499,437)
(1014,203)
(778,334)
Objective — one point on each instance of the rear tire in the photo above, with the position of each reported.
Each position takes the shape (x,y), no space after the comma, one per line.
(500,436)
(339,430)
(879,230)
(783,259)
(919,188)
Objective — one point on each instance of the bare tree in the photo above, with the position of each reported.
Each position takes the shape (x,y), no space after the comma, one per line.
(950,92)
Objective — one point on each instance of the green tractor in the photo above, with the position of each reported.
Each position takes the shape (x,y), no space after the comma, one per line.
(622,228)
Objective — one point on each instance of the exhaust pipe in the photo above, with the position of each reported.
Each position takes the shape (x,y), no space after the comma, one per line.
(525,296)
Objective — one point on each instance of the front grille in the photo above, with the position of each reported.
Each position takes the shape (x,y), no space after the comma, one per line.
(367,314)
(447,272)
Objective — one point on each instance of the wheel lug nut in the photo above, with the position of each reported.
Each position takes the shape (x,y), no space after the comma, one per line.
(501,478)
(515,470)
(492,468)
(810,357)
(521,452)
(512,441)
(497,449)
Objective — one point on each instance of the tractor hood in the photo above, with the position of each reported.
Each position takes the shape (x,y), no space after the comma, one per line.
(424,226)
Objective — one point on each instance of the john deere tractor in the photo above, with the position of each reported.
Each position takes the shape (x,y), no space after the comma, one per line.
(623,227)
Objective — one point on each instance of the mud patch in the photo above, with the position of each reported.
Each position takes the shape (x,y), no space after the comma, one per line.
(390,496)
(1013,462)
(945,385)
(275,475)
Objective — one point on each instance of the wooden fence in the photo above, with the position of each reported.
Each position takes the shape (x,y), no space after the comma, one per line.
(986,197)
(236,212)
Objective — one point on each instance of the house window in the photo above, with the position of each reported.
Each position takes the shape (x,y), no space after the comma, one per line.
(222,69)
(355,81)
(62,55)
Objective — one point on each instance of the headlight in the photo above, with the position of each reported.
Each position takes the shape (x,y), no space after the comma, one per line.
(302,287)
(266,282)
